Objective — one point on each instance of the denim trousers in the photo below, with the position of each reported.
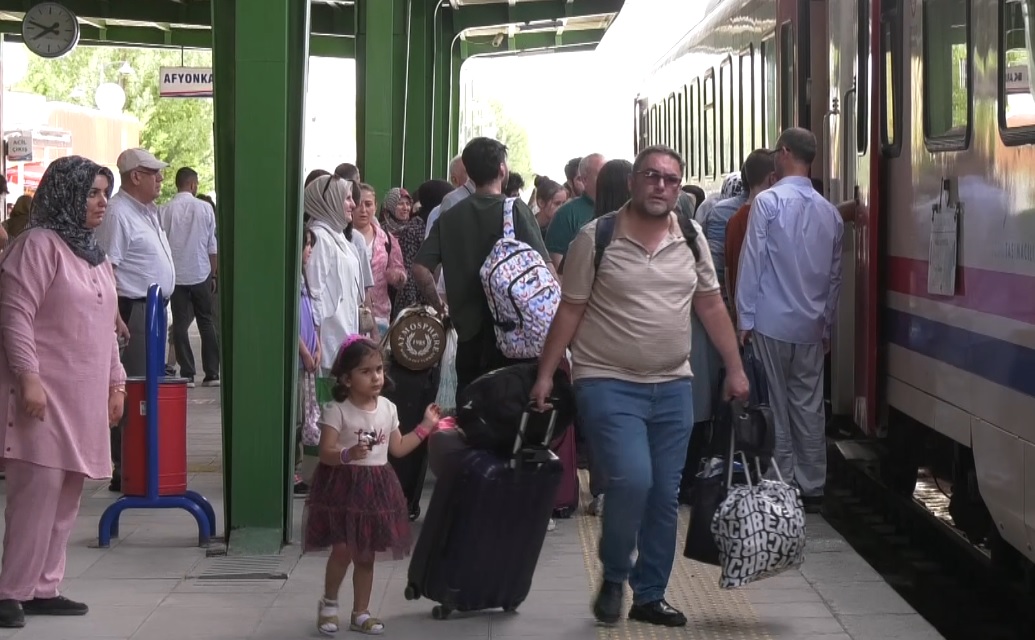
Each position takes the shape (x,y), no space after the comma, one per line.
(639,434)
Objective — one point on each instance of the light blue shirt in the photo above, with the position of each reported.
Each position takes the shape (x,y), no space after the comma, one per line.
(790,268)
(713,224)
(453,198)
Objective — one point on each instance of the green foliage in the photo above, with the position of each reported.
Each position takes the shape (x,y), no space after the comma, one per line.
(176,130)
(515,136)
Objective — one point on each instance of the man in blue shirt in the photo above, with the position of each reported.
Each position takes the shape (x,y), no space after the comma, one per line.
(787,289)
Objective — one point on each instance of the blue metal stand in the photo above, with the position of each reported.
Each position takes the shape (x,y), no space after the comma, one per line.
(191,501)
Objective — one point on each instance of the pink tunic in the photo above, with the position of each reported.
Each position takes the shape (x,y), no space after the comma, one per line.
(381,262)
(57,318)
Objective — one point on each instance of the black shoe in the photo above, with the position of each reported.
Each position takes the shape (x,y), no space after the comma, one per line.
(301,489)
(658,612)
(812,504)
(57,606)
(11,614)
(115,486)
(608,606)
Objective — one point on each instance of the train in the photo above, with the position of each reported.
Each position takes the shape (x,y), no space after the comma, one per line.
(924,113)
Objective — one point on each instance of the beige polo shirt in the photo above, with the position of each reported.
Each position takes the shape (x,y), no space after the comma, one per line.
(637,322)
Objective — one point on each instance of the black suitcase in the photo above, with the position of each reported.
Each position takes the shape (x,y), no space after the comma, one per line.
(412,392)
(485,528)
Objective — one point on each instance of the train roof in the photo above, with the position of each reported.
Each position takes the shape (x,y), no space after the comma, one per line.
(718,14)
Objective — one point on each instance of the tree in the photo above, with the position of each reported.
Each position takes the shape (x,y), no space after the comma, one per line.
(176,130)
(515,136)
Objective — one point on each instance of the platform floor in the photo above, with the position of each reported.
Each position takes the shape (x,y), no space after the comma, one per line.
(154,584)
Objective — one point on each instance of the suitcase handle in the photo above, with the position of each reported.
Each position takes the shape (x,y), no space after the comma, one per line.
(519,441)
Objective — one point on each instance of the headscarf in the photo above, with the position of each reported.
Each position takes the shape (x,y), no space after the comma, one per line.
(732,186)
(387,218)
(430,195)
(324,200)
(19,216)
(60,204)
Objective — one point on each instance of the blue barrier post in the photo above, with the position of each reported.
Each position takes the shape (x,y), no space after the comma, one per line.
(191,501)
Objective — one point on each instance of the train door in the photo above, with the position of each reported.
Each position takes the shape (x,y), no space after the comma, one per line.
(839,134)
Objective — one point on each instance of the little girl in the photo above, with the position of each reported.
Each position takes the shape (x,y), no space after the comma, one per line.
(307,433)
(356,505)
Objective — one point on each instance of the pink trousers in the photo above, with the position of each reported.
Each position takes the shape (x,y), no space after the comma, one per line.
(42,505)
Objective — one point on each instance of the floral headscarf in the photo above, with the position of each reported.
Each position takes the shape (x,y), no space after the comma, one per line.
(386,217)
(60,204)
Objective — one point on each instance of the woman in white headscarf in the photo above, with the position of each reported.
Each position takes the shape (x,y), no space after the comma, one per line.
(335,278)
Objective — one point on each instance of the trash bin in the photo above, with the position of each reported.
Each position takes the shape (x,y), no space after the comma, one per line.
(172,438)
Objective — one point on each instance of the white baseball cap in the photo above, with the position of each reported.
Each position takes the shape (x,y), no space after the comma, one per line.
(138,158)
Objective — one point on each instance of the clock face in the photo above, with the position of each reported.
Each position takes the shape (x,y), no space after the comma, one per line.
(50,30)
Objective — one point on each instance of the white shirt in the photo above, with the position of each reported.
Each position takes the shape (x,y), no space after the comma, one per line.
(366,269)
(190,226)
(336,284)
(137,247)
(349,420)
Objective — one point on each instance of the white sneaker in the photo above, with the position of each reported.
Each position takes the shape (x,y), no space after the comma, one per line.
(551,525)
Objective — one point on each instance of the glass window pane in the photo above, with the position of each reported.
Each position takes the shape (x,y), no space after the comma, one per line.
(946,65)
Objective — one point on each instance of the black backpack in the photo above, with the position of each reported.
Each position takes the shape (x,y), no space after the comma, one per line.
(489,409)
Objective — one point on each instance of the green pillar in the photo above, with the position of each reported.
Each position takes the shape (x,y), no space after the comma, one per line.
(380,85)
(260,51)
(442,148)
(418,97)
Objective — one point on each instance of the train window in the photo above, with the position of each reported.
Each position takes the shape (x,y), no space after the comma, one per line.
(1016,67)
(727,134)
(694,129)
(708,128)
(946,74)
(891,76)
(786,76)
(747,102)
(769,90)
(862,80)
(681,145)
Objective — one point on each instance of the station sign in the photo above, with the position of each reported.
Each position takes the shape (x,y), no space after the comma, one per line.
(19,147)
(185,82)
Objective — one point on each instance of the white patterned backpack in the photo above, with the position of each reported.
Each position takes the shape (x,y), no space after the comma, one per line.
(523,294)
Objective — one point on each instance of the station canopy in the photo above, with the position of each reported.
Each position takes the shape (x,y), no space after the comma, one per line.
(483,27)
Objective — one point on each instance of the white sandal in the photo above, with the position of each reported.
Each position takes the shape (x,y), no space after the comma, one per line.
(365,623)
(327,617)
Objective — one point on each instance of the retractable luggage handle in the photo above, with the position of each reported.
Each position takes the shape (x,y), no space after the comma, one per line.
(519,441)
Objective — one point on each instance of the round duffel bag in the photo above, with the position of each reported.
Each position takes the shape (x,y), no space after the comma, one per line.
(417,338)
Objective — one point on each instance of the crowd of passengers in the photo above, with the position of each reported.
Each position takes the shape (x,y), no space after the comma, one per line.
(645,334)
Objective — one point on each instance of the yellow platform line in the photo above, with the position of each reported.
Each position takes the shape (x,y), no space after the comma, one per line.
(712,613)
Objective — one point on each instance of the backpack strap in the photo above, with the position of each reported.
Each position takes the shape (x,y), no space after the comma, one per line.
(605,233)
(508,218)
(686,224)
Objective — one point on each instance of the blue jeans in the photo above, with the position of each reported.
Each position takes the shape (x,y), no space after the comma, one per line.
(639,434)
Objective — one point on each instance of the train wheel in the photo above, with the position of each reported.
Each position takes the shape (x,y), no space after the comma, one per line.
(904,443)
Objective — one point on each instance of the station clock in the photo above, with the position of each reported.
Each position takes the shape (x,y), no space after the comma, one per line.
(50,30)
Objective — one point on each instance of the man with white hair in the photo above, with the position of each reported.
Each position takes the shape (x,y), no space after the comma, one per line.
(138,249)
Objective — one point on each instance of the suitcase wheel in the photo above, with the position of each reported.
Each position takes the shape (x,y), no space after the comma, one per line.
(440,612)
(414,513)
(411,593)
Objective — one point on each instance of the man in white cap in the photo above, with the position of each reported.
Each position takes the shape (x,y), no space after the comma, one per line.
(138,249)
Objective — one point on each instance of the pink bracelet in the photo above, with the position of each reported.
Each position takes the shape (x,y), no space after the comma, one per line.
(422,432)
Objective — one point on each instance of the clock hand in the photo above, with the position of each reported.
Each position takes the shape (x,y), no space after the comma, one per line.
(53,29)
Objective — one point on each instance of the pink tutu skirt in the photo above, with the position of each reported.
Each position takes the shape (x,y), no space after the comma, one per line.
(363,507)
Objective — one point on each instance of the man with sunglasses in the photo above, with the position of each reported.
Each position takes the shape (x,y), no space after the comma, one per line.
(630,338)
(132,236)
(787,289)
